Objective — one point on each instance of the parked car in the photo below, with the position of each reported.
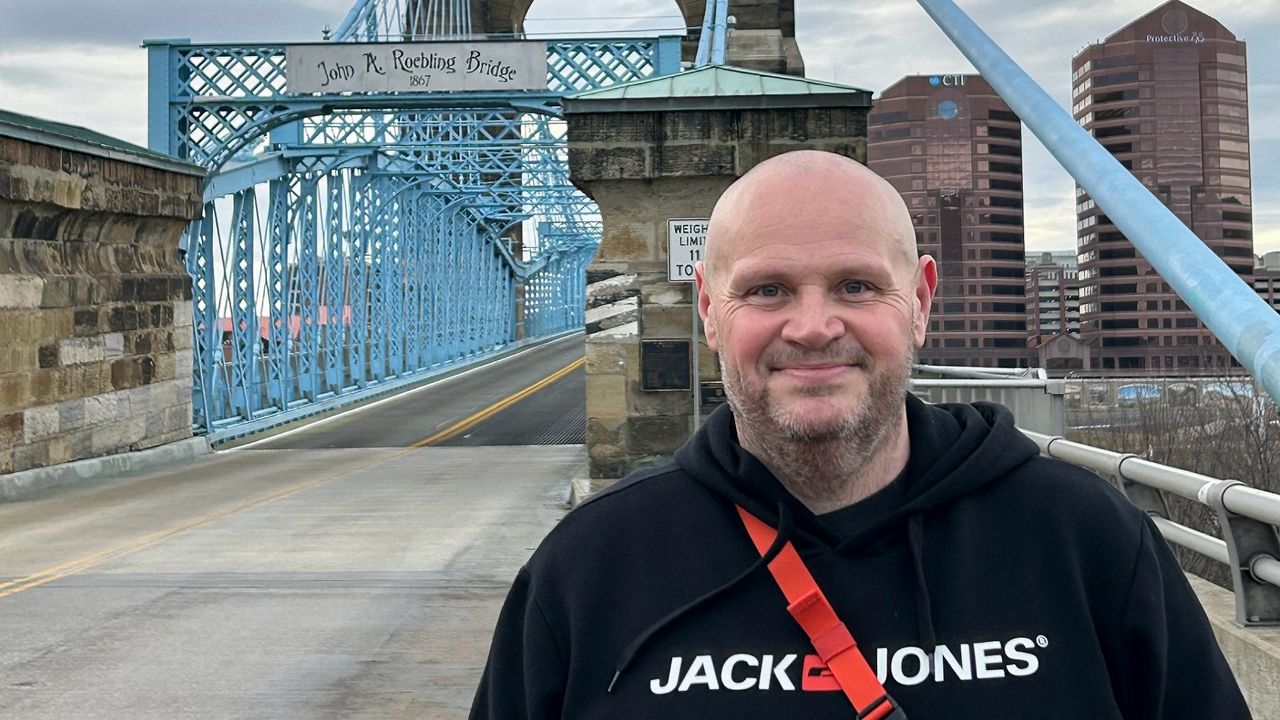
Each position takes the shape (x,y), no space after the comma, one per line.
(1137,393)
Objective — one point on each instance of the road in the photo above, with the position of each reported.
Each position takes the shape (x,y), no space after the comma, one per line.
(338,572)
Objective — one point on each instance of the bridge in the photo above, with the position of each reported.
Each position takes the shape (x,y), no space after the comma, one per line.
(309,378)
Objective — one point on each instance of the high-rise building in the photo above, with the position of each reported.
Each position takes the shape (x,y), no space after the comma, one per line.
(1266,278)
(1053,295)
(953,149)
(1167,96)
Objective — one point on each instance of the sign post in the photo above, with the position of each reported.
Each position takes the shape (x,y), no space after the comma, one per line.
(686,238)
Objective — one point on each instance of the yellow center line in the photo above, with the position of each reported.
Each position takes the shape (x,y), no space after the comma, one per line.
(475,419)
(71,567)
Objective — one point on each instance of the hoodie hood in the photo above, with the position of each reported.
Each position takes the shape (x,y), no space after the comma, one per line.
(956,450)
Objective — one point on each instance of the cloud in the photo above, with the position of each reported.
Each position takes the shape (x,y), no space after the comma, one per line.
(78,60)
(128,22)
(44,84)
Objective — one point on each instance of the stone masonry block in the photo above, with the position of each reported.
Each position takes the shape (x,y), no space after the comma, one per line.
(606,461)
(182,361)
(16,324)
(12,429)
(612,315)
(658,404)
(58,450)
(630,241)
(126,373)
(182,314)
(667,294)
(135,428)
(59,291)
(87,322)
(605,432)
(105,409)
(606,396)
(667,321)
(15,391)
(48,355)
(94,379)
(71,414)
(694,160)
(77,351)
(112,345)
(697,127)
(607,163)
(21,291)
(40,423)
(31,455)
(44,386)
(108,439)
(606,359)
(613,289)
(178,419)
(658,435)
(57,323)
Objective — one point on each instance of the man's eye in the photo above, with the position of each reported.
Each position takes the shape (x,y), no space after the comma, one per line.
(853,287)
(767,291)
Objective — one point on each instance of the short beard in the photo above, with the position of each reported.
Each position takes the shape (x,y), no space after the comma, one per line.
(822,462)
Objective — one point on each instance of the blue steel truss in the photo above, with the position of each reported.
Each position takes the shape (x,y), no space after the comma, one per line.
(354,242)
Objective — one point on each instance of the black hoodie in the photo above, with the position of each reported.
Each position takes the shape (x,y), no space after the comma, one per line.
(985,582)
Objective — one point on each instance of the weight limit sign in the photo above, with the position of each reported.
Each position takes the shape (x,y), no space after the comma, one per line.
(686,237)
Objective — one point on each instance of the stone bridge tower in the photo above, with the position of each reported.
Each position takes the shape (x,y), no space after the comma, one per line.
(764,37)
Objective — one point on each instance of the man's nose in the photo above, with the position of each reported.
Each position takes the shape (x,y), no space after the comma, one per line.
(814,321)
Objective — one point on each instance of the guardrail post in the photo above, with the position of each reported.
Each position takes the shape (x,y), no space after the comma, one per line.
(1148,499)
(1248,540)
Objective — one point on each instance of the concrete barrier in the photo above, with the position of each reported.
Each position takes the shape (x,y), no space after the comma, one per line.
(15,487)
(1254,653)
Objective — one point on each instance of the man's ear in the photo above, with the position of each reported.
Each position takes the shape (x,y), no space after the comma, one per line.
(926,286)
(702,296)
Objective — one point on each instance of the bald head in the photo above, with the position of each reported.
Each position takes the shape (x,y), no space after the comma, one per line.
(808,182)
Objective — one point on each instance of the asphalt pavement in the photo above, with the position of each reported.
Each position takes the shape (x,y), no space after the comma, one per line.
(337,572)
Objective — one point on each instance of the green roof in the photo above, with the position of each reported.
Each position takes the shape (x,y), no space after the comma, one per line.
(90,142)
(717,87)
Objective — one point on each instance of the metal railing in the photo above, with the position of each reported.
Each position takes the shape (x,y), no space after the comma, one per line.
(1037,401)
(1247,516)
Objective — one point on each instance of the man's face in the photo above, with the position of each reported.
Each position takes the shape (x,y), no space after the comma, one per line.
(815,309)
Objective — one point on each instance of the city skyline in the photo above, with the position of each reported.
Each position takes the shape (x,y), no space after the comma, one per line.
(78,61)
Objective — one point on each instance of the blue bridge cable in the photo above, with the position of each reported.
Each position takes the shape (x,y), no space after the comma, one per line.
(722,32)
(706,36)
(1240,319)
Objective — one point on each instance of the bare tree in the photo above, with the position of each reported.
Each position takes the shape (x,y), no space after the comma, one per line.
(1220,427)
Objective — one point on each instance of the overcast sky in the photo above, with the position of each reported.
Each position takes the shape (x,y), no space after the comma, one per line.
(79,61)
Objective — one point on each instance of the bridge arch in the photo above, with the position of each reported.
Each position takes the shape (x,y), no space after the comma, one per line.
(508,16)
(768,26)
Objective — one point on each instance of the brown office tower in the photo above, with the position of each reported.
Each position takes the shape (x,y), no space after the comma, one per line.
(953,149)
(1166,95)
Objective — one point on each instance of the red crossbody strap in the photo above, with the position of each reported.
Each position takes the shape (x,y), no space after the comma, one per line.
(830,637)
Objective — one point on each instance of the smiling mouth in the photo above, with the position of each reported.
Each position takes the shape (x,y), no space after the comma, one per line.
(814,373)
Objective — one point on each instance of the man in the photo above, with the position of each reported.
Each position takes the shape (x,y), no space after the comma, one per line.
(979,579)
